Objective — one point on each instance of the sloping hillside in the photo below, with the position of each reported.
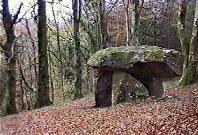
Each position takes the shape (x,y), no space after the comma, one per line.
(177,115)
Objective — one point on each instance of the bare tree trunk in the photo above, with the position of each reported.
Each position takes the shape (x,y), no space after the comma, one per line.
(34,50)
(30,70)
(104,36)
(76,5)
(43,76)
(50,74)
(128,32)
(132,10)
(20,63)
(2,83)
(10,55)
(193,51)
(189,50)
(182,36)
(25,82)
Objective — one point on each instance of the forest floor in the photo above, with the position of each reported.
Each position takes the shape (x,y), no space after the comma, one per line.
(176,115)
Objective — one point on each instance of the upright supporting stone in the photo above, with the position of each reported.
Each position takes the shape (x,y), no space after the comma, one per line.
(154,86)
(126,88)
(103,88)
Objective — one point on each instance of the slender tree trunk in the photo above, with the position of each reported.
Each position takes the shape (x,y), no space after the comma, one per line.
(30,70)
(128,32)
(19,62)
(51,77)
(25,82)
(43,76)
(104,36)
(34,50)
(155,30)
(132,21)
(78,65)
(59,49)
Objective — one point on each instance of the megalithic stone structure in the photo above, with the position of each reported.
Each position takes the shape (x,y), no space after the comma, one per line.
(144,67)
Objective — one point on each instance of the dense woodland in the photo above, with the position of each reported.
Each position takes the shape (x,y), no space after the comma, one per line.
(45,45)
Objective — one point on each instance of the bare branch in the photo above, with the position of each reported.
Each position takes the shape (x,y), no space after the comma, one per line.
(54,55)
(141,7)
(22,17)
(15,17)
(113,6)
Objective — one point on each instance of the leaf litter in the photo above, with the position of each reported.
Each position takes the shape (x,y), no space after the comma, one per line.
(176,115)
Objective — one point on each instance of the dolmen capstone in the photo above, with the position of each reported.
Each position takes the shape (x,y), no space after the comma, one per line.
(127,73)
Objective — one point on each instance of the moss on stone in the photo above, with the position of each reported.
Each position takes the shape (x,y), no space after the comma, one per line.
(154,54)
(125,57)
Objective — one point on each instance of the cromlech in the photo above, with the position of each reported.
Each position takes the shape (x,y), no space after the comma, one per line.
(126,73)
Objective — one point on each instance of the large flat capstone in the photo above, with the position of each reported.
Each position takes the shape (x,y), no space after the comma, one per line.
(126,58)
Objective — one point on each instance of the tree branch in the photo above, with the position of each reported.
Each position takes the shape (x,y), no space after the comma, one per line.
(111,8)
(15,17)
